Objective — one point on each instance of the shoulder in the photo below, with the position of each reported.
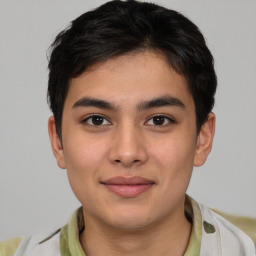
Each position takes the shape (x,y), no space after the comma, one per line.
(220,235)
(38,244)
(9,247)
(41,245)
(246,224)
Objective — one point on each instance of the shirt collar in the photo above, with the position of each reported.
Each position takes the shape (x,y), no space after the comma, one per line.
(69,235)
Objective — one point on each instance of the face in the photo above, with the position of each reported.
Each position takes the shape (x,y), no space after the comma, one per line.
(129,141)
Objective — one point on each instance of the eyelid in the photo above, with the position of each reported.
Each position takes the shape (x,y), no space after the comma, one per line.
(169,118)
(87,117)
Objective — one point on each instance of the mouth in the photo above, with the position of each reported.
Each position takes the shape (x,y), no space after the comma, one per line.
(128,186)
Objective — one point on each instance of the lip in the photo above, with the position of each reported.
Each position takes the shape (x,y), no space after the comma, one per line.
(128,186)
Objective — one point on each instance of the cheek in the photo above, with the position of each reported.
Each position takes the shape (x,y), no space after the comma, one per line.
(174,156)
(83,160)
(83,153)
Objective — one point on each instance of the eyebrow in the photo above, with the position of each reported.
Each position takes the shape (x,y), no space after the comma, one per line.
(91,102)
(161,102)
(153,103)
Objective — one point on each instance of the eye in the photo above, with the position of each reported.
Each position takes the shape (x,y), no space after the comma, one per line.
(96,120)
(160,120)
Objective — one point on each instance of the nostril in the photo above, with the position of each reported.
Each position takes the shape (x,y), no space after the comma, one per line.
(117,161)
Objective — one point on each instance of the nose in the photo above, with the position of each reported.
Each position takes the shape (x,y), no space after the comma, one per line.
(128,147)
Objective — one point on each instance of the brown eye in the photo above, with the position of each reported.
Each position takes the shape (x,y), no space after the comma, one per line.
(96,120)
(160,120)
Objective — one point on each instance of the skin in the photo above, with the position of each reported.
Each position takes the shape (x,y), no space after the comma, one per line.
(128,141)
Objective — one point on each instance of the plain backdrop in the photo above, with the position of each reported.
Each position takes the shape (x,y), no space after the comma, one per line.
(35,194)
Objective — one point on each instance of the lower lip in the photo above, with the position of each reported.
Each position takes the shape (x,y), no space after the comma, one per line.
(129,190)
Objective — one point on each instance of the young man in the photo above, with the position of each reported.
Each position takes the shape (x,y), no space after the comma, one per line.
(131,88)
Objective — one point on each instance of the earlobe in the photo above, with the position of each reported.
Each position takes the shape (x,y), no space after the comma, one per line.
(205,140)
(56,143)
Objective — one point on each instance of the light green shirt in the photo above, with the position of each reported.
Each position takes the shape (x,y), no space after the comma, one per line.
(69,236)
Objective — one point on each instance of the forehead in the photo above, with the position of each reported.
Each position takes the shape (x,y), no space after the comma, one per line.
(128,79)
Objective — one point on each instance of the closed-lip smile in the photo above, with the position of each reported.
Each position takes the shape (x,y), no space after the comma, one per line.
(128,186)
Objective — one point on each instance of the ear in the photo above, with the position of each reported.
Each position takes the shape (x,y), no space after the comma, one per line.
(56,143)
(205,140)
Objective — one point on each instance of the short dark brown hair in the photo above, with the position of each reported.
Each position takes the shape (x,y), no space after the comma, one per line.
(120,27)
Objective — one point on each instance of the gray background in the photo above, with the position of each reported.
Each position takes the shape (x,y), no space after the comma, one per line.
(34,192)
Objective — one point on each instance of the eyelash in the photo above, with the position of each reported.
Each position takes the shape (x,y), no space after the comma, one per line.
(166,118)
(85,121)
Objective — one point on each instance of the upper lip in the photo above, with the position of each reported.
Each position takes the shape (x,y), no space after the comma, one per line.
(120,180)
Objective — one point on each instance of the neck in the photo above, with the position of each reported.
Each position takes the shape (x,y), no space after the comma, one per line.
(169,236)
